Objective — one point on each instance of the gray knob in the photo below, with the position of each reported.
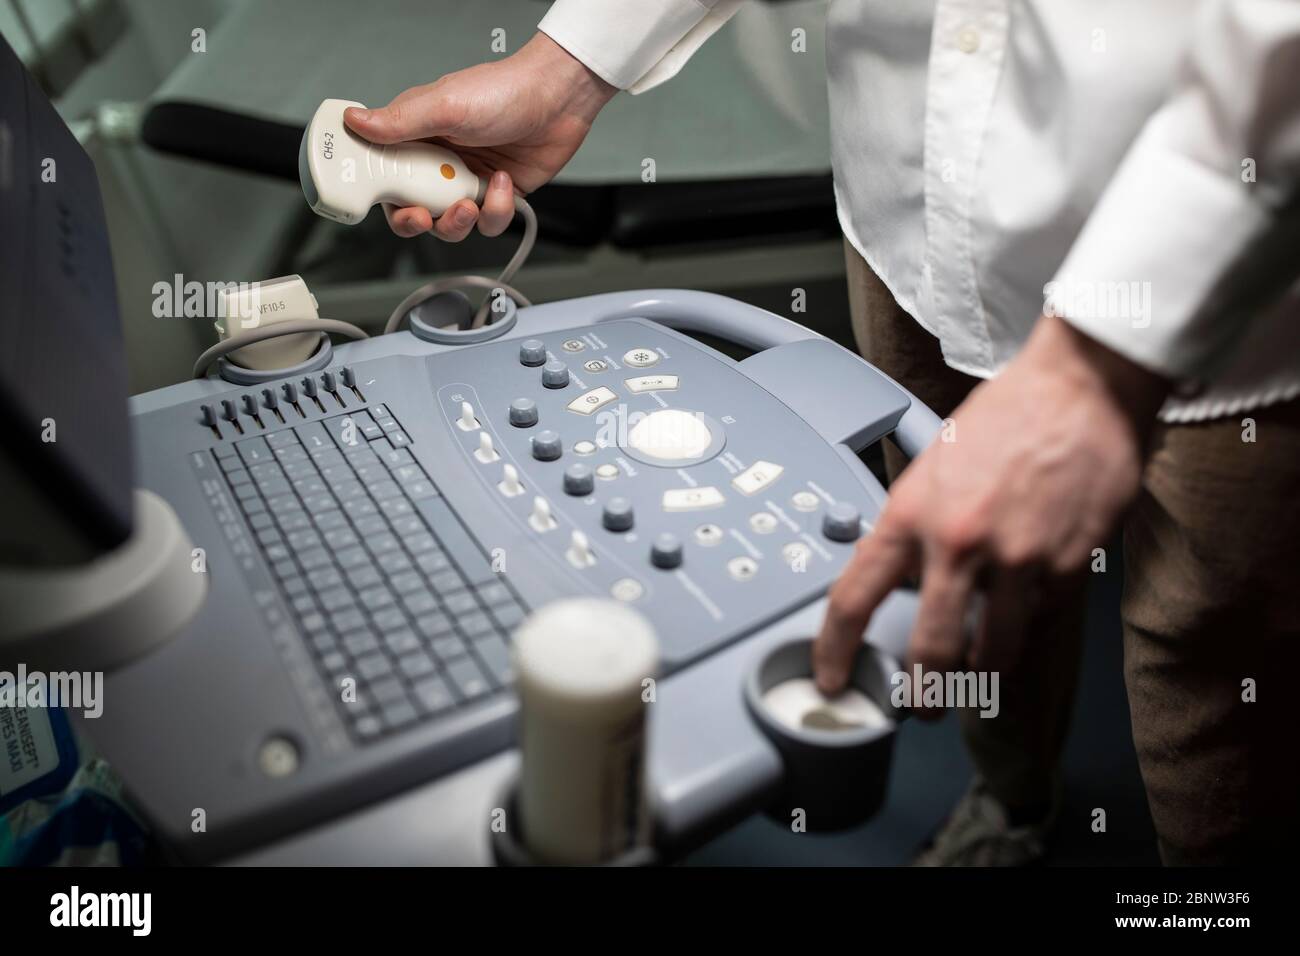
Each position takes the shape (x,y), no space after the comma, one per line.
(547,446)
(666,552)
(555,375)
(843,522)
(250,404)
(209,415)
(532,352)
(523,413)
(618,515)
(579,481)
(228,410)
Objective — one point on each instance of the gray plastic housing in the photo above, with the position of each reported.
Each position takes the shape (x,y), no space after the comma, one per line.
(194,714)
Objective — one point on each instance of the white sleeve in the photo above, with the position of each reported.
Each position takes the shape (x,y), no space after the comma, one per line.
(1194,212)
(635,44)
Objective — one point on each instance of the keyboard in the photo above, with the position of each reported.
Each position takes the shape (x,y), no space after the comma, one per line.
(404,615)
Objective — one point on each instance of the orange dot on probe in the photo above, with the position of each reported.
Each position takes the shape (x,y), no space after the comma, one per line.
(448,172)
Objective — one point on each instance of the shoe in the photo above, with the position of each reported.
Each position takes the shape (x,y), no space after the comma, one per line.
(977,833)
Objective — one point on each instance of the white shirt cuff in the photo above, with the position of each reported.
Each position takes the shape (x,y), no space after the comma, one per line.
(1144,274)
(623,40)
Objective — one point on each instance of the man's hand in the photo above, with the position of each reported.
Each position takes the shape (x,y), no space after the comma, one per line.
(1033,473)
(518,120)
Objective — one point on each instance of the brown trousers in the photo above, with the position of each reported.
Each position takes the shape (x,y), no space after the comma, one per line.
(1211,616)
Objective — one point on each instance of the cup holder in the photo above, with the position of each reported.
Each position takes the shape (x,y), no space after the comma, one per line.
(445,320)
(836,753)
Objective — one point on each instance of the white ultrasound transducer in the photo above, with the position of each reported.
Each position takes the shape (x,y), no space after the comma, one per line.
(343,175)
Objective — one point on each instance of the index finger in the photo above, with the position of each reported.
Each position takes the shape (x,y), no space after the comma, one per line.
(879,564)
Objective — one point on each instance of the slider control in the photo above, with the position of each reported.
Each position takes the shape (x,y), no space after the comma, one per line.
(485,452)
(272,401)
(467,422)
(251,409)
(510,485)
(291,396)
(541,519)
(579,553)
(231,414)
(208,416)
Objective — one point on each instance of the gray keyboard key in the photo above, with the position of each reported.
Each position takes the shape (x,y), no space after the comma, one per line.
(434,696)
(468,678)
(284,439)
(398,714)
(401,642)
(420,489)
(495,655)
(416,665)
(390,619)
(330,520)
(433,625)
(373,666)
(459,602)
(336,599)
(508,616)
(388,690)
(433,562)
(395,507)
(381,543)
(239,477)
(376,597)
(351,557)
(419,542)
(419,602)
(495,593)
(406,582)
(324,578)
(340,539)
(393,457)
(360,643)
(363,576)
(394,562)
(371,524)
(349,620)
(448,647)
(473,625)
(382,490)
(368,726)
(254,450)
(315,558)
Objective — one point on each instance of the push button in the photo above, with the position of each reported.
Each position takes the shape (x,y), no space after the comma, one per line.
(692,499)
(651,383)
(756,477)
(523,413)
(842,522)
(618,515)
(555,375)
(532,353)
(641,358)
(592,401)
(547,446)
(666,552)
(578,481)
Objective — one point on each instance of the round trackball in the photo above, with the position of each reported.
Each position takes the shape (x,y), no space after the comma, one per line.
(343,175)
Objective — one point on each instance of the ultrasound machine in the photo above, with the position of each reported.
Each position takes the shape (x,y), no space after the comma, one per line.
(392,508)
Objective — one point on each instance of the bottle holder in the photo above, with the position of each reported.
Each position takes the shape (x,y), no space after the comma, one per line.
(510,849)
(429,320)
(238,375)
(836,777)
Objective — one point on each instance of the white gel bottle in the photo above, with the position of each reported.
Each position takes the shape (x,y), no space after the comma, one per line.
(581,668)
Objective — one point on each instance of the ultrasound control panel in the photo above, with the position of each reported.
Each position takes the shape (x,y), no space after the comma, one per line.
(649,469)
(374,530)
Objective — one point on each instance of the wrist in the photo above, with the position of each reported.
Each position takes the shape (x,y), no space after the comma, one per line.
(1134,391)
(584,91)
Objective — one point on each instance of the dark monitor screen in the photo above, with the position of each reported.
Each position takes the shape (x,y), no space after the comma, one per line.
(65,453)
